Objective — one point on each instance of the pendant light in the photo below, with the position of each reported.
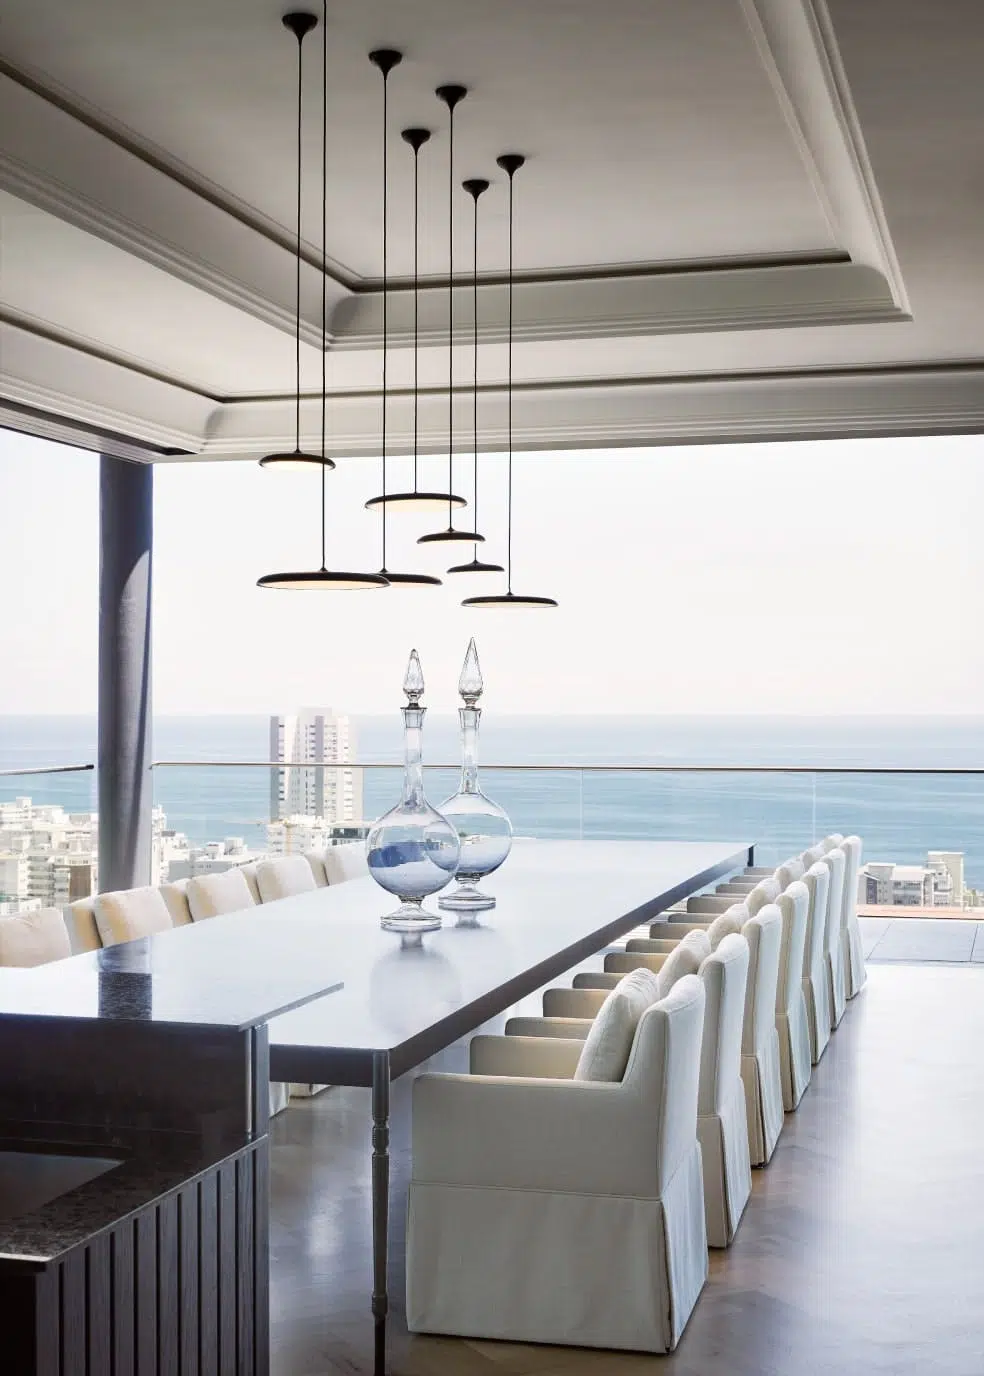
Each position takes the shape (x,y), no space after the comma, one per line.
(415,500)
(451,96)
(475,186)
(324,578)
(510,164)
(385,59)
(300,23)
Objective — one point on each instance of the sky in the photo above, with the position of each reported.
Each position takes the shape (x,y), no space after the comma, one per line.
(817,578)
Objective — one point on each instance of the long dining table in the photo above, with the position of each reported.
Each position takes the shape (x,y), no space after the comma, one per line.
(401,1002)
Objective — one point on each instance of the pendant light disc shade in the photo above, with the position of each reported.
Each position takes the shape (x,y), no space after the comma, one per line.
(296,461)
(510,599)
(323,580)
(451,536)
(415,501)
(477,566)
(412,580)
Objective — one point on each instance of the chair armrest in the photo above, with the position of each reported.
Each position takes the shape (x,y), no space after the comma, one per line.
(541,1058)
(580,1136)
(572,1003)
(652,946)
(571,1028)
(590,980)
(624,965)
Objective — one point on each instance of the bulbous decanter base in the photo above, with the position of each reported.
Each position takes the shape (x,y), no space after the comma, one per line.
(410,919)
(466,897)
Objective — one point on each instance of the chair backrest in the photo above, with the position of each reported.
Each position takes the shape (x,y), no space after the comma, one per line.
(80,920)
(831,842)
(33,938)
(851,846)
(763,932)
(709,904)
(789,871)
(794,905)
(248,872)
(812,855)
(211,895)
(817,881)
(128,914)
(765,891)
(284,877)
(727,924)
(724,975)
(836,862)
(664,1070)
(345,862)
(685,960)
(316,860)
(175,896)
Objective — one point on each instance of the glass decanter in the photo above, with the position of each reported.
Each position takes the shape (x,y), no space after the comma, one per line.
(483,828)
(412,851)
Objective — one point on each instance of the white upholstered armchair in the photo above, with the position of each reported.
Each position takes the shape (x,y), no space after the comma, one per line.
(817,881)
(852,949)
(792,1020)
(554,1210)
(760,1071)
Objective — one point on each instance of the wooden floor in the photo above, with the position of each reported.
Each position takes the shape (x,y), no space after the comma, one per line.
(861,1251)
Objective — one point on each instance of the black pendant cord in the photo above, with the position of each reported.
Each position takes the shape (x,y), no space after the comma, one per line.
(324,288)
(510,164)
(416,138)
(452,96)
(511,169)
(478,191)
(300,23)
(385,59)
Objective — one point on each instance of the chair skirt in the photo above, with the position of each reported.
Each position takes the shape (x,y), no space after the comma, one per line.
(794,1053)
(817,1013)
(836,995)
(727,1173)
(536,1267)
(763,1100)
(853,957)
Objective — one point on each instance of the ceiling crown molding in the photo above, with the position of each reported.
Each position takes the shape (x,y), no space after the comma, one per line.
(61,164)
(798,48)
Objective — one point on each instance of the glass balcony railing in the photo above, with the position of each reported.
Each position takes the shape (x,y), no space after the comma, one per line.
(901,815)
(48,836)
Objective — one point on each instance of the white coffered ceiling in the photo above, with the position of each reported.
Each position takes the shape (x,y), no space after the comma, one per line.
(739,218)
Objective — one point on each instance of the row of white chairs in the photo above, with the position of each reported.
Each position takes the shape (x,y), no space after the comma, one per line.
(598,1150)
(107,919)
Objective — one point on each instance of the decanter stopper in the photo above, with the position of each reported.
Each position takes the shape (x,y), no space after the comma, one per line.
(470,684)
(413,680)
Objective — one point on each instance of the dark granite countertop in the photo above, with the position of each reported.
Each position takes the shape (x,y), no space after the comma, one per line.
(146,1171)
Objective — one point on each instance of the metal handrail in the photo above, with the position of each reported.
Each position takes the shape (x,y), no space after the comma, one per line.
(579,768)
(47,769)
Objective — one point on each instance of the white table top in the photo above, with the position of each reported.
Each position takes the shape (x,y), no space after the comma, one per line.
(558,903)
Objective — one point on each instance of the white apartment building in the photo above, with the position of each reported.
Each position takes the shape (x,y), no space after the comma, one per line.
(950,862)
(213,858)
(913,886)
(307,741)
(52,856)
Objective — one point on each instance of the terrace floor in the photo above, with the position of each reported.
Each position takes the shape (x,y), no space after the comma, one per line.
(949,941)
(859,1253)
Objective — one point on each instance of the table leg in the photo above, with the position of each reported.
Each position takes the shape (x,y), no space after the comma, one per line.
(380,1203)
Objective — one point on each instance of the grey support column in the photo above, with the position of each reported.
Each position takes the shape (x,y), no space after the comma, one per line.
(126,495)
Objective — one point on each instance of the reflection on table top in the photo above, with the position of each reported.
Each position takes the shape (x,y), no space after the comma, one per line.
(558,901)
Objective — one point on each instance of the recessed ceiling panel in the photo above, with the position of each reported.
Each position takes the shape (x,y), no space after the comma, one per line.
(652,130)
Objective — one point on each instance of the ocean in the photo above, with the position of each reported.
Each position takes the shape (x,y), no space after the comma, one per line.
(900,817)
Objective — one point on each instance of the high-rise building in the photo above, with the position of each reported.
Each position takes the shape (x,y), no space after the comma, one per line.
(307,741)
(950,862)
